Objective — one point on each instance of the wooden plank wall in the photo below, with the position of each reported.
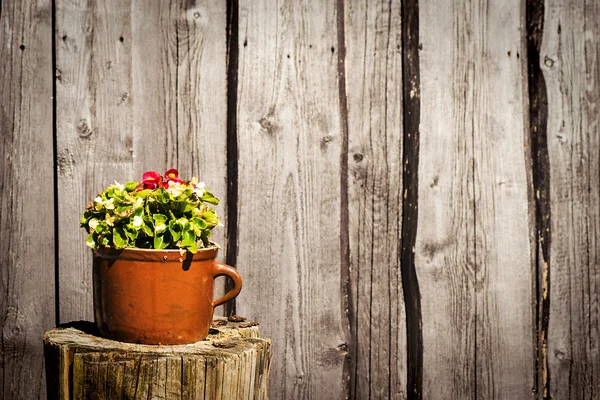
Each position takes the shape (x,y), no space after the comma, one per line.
(570,64)
(138,88)
(473,238)
(289,209)
(411,190)
(27,264)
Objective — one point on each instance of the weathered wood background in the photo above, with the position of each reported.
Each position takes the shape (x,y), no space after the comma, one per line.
(410,189)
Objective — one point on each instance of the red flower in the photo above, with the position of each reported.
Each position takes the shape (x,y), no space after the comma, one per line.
(172,176)
(151,180)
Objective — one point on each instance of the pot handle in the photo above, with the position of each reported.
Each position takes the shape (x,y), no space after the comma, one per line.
(226,270)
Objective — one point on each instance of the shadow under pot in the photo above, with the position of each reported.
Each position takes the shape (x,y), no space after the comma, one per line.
(157,296)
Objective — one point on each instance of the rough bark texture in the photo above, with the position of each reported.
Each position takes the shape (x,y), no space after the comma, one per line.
(232,363)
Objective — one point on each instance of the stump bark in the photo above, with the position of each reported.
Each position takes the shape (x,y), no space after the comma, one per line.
(231,363)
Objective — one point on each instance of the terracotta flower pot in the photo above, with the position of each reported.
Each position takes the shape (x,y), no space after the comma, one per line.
(157,296)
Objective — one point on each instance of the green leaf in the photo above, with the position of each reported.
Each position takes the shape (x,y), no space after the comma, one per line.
(104,241)
(101,227)
(124,211)
(160,221)
(175,228)
(205,237)
(188,238)
(193,248)
(139,212)
(198,225)
(119,238)
(91,241)
(143,193)
(131,186)
(208,197)
(162,196)
(147,230)
(159,218)
(130,231)
(159,242)
(211,217)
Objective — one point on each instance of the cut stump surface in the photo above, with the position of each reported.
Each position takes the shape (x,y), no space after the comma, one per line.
(231,363)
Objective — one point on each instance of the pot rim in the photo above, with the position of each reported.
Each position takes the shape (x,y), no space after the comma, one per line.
(134,253)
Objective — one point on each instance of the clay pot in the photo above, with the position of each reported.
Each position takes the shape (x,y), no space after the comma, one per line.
(157,296)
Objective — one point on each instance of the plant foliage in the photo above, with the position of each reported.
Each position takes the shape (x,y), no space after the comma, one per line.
(161,212)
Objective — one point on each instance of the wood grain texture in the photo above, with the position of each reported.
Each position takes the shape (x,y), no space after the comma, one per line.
(473,255)
(140,87)
(232,363)
(26,189)
(289,192)
(94,130)
(570,63)
(504,275)
(374,97)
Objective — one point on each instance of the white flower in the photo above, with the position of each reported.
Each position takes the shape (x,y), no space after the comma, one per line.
(119,186)
(110,204)
(93,223)
(110,220)
(159,228)
(98,199)
(138,202)
(137,221)
(175,188)
(199,189)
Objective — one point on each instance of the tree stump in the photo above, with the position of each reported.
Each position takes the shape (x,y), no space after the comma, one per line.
(231,363)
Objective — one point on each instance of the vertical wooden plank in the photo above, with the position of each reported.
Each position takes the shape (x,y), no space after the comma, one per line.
(504,269)
(94,137)
(133,95)
(154,59)
(179,91)
(26,187)
(201,104)
(289,191)
(445,257)
(473,249)
(570,61)
(374,75)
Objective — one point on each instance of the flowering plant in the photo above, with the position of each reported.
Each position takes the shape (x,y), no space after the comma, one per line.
(161,212)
